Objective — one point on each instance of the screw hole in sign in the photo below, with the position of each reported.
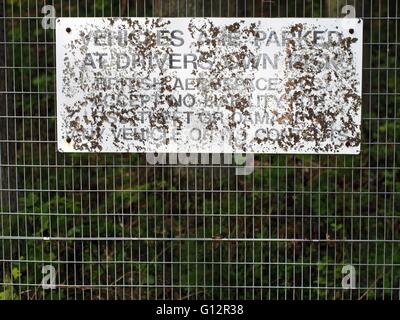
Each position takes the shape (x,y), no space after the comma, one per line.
(68,29)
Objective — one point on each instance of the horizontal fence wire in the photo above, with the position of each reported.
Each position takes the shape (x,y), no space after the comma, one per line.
(114,226)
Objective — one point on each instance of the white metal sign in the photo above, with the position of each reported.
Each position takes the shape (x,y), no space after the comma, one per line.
(209,85)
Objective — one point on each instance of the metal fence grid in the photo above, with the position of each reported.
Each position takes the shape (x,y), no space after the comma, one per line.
(115,227)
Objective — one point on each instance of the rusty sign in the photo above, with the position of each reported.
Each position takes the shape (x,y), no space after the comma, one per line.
(209,85)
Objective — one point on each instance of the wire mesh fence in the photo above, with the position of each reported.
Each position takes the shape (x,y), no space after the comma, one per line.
(113,226)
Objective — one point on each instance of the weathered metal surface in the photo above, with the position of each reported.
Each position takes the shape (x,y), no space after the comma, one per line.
(209,85)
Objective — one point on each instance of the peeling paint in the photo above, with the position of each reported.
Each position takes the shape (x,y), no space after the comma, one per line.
(241,84)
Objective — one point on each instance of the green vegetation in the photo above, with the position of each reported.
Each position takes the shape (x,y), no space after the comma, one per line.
(105,215)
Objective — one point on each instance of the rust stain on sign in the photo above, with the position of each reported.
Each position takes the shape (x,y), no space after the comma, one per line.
(209,85)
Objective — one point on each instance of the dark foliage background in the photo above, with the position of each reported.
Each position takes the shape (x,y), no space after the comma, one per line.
(115,227)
